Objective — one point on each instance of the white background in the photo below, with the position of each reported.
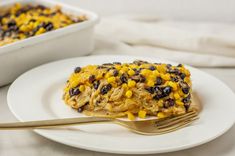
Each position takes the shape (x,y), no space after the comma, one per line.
(209,10)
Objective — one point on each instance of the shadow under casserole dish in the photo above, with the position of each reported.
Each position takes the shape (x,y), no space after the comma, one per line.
(23,21)
(130,89)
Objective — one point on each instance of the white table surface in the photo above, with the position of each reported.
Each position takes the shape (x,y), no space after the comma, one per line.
(28,143)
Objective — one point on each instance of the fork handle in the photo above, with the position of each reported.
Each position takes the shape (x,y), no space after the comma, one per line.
(52,123)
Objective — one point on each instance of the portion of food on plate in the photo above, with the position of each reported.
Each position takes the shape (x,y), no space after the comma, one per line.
(22,21)
(130,89)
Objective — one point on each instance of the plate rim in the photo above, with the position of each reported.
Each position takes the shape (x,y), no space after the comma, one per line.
(65,142)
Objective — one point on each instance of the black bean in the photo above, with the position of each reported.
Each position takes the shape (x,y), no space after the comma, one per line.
(101,67)
(185,87)
(139,62)
(179,65)
(150,90)
(157,63)
(186,99)
(117,63)
(168,103)
(137,71)
(158,96)
(186,106)
(105,89)
(32,20)
(11,23)
(157,89)
(96,84)
(152,68)
(182,76)
(186,90)
(174,78)
(173,71)
(13,28)
(168,65)
(91,78)
(80,109)
(142,78)
(166,90)
(107,64)
(158,81)
(123,78)
(49,26)
(159,93)
(74,91)
(77,69)
(40,7)
(108,69)
(115,72)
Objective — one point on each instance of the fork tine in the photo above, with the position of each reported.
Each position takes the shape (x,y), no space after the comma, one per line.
(176,118)
(177,126)
(170,129)
(170,123)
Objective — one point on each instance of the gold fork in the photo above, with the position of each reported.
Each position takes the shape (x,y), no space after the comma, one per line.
(145,127)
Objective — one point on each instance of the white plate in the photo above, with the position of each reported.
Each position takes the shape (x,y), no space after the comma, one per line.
(36,95)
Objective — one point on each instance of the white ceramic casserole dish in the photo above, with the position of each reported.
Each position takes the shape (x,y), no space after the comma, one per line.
(70,41)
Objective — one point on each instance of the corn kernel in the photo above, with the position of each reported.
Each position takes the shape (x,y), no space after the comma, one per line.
(124,86)
(161,115)
(142,114)
(187,80)
(180,92)
(166,77)
(156,73)
(161,68)
(66,89)
(121,72)
(129,94)
(151,77)
(150,83)
(81,88)
(180,103)
(124,68)
(118,67)
(130,116)
(187,73)
(40,31)
(107,75)
(74,83)
(133,66)
(111,79)
(131,83)
(145,72)
(176,96)
(173,85)
(23,28)
(144,66)
(131,72)
(160,103)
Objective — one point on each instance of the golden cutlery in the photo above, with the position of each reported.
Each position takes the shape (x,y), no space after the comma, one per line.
(145,127)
